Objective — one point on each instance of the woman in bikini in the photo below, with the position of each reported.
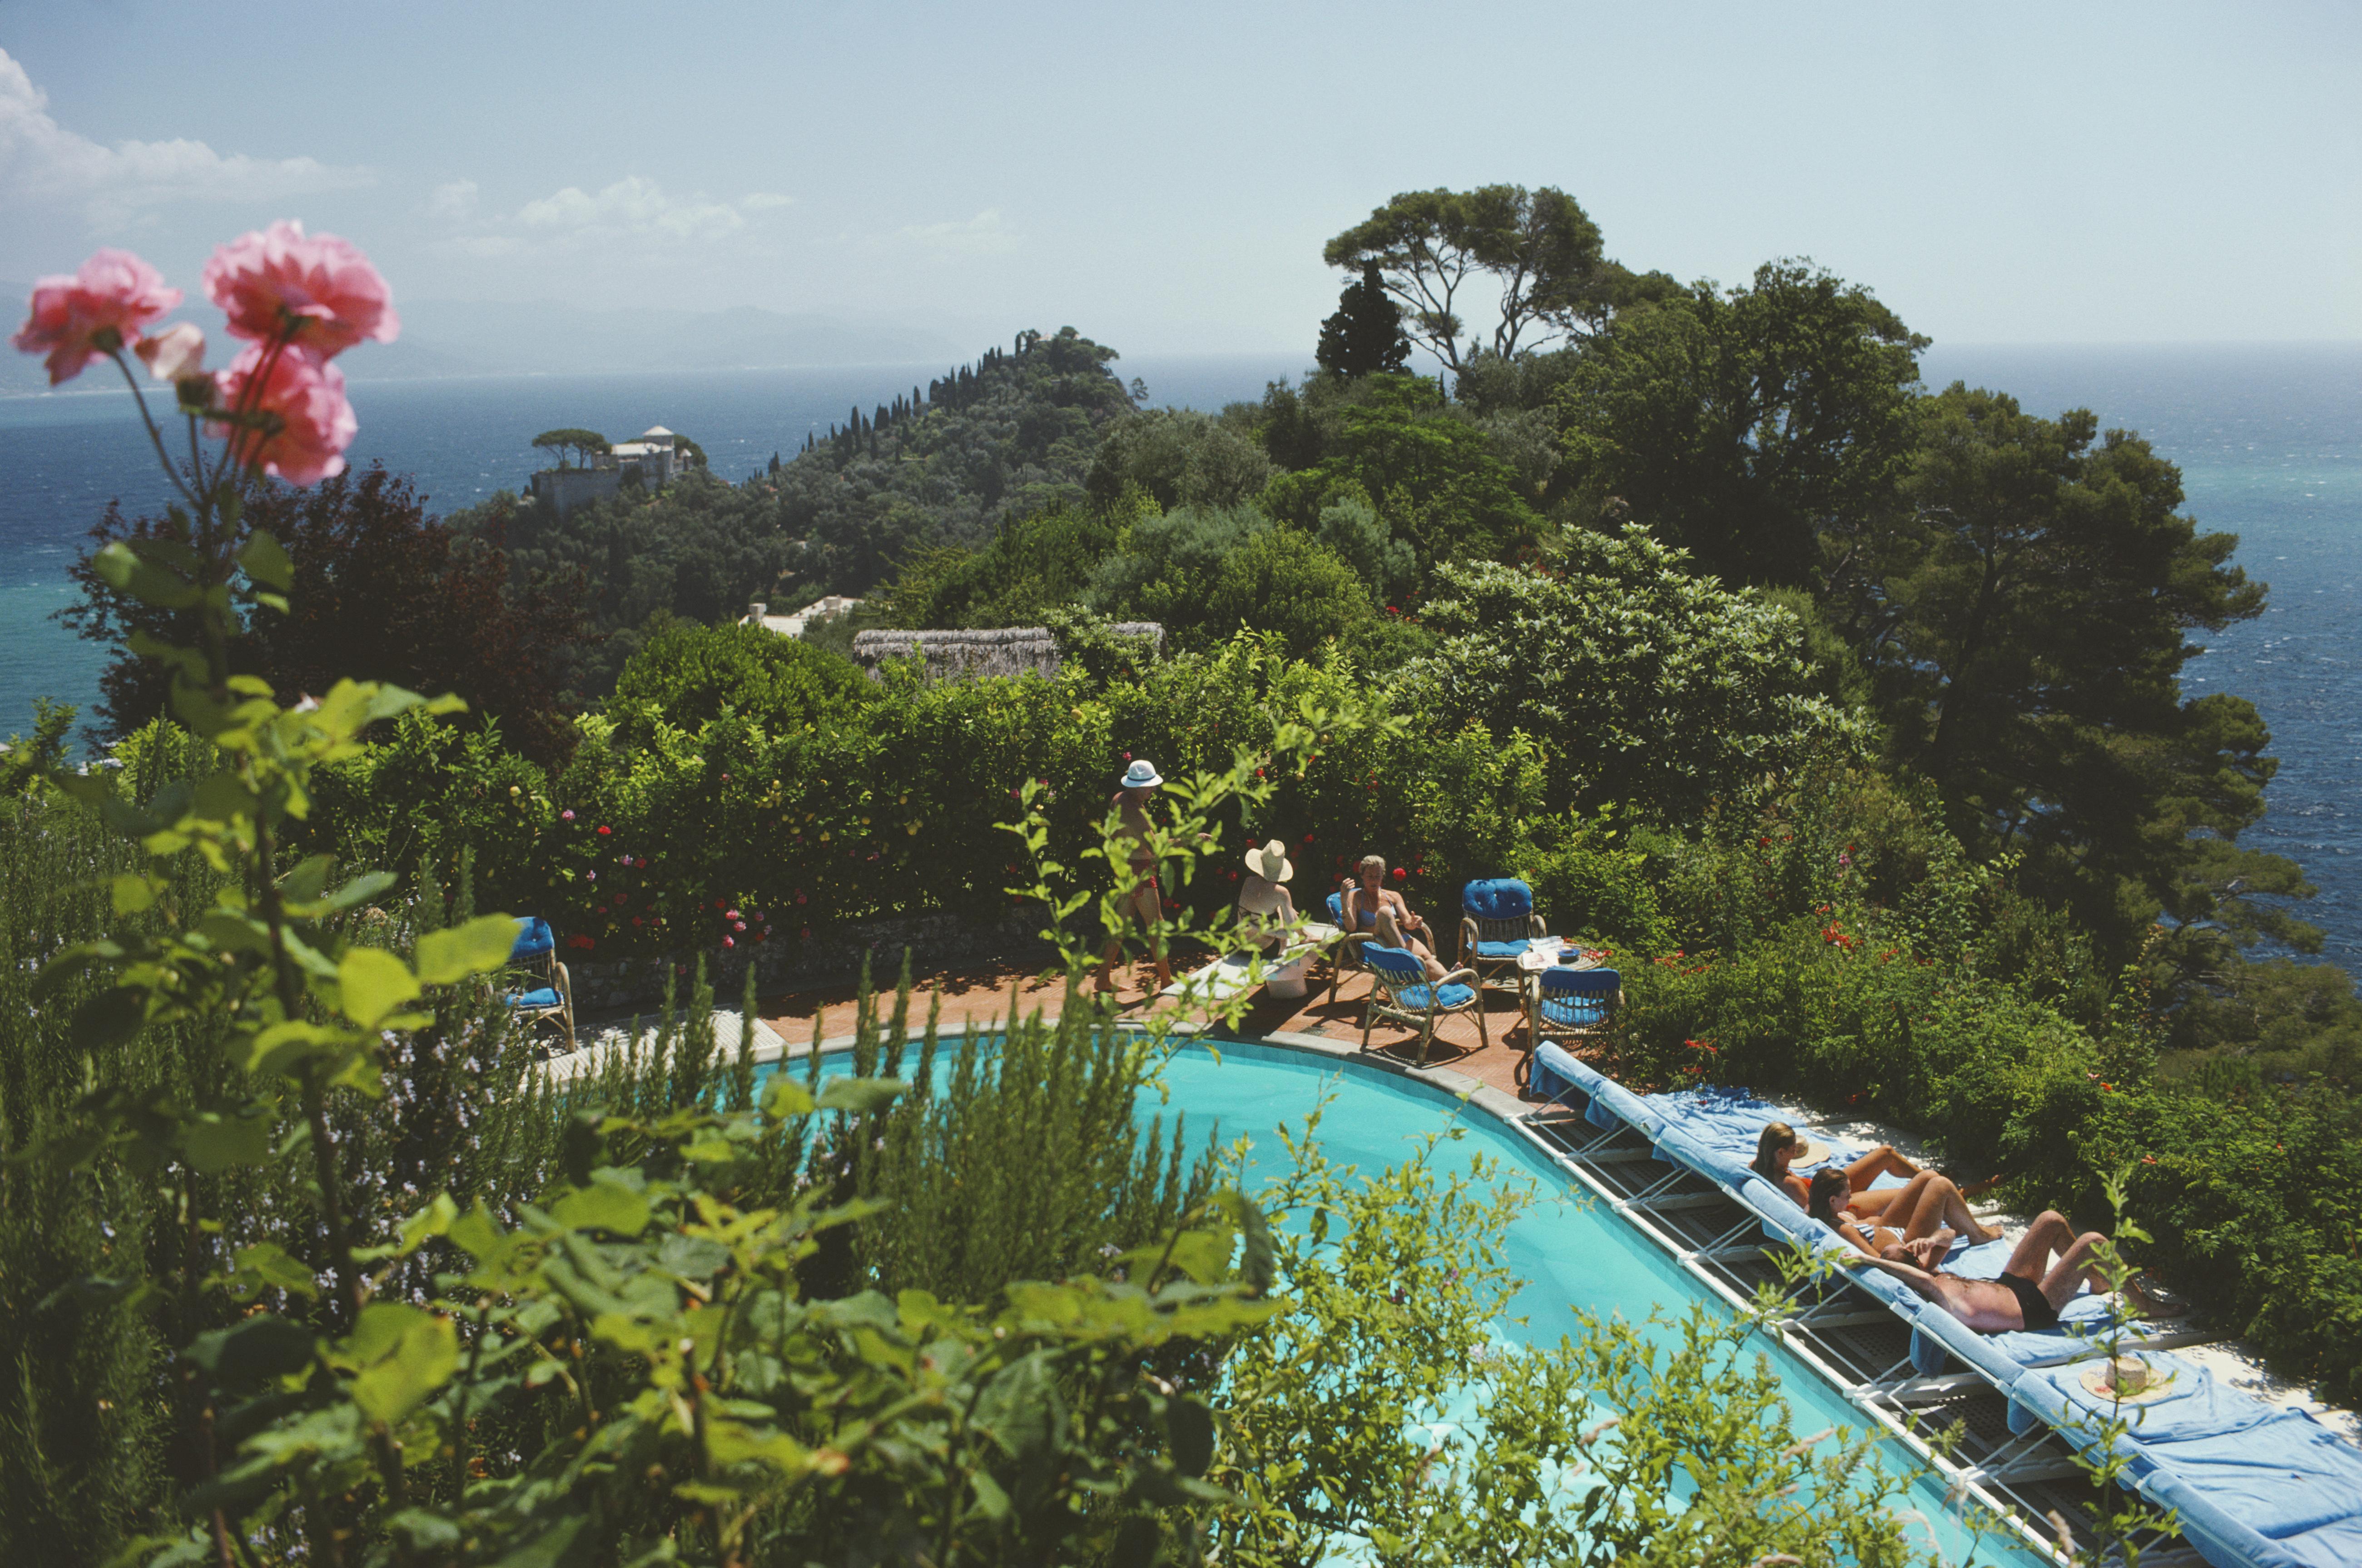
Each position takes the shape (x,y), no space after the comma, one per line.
(1924,1204)
(1379,910)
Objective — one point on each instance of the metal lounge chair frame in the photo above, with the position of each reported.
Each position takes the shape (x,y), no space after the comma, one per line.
(1394,974)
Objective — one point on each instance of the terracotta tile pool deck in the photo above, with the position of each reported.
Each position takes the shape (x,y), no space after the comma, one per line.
(984,994)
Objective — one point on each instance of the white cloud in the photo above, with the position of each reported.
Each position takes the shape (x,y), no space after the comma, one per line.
(763,201)
(40,160)
(455,202)
(633,207)
(983,234)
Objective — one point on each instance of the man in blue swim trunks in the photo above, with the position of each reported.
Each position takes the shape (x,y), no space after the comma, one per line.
(2031,1288)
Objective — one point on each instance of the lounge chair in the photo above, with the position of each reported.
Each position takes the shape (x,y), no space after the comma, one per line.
(1498,923)
(1568,1003)
(1399,991)
(543,991)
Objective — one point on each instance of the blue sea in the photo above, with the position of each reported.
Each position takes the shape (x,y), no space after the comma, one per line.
(2269,439)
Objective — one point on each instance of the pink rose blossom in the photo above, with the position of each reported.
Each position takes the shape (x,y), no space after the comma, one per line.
(309,423)
(174,353)
(321,288)
(74,320)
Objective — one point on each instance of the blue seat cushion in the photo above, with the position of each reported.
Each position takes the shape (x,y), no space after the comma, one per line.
(1503,949)
(546,997)
(1416,999)
(533,939)
(1575,1012)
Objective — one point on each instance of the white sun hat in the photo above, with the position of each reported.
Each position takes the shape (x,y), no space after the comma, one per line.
(1141,774)
(1270,862)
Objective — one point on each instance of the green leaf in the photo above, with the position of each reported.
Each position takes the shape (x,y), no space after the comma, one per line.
(435,1219)
(403,1355)
(307,881)
(861,1095)
(108,1019)
(214,1141)
(1191,1430)
(479,947)
(262,1346)
(266,561)
(359,890)
(267,1264)
(786,1098)
(990,1500)
(282,1047)
(603,1206)
(1247,1214)
(126,572)
(131,894)
(372,982)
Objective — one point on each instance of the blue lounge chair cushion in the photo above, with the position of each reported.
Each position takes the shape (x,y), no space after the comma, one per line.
(534,939)
(1447,997)
(1499,898)
(545,997)
(1503,949)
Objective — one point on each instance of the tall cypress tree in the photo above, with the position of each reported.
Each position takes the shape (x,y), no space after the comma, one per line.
(1366,333)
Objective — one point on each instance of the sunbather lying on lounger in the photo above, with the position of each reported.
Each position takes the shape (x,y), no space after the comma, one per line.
(2031,1289)
(1780,1148)
(1920,1226)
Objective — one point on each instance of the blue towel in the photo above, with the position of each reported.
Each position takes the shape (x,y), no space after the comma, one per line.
(2255,1483)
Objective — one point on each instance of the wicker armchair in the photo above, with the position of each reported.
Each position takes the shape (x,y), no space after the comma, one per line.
(1345,957)
(1498,923)
(542,991)
(1568,1003)
(1399,993)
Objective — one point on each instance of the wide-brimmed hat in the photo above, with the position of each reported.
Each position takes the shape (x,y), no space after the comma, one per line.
(1141,774)
(1270,862)
(2155,1382)
(1806,1149)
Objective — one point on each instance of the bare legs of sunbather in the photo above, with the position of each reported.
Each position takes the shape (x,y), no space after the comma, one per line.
(1923,1205)
(1390,935)
(1991,1307)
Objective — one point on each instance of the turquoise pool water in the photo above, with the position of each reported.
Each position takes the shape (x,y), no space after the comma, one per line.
(1571,1254)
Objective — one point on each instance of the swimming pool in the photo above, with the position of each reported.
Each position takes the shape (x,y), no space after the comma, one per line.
(1571,1254)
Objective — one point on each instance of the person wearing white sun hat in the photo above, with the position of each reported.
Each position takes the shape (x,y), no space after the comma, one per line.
(1265,910)
(1146,902)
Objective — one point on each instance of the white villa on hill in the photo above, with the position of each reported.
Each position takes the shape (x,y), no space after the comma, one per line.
(655,459)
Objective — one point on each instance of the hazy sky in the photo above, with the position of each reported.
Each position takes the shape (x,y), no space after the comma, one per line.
(1163,178)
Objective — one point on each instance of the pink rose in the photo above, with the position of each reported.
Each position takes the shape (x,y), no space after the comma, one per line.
(318,291)
(174,353)
(305,421)
(101,308)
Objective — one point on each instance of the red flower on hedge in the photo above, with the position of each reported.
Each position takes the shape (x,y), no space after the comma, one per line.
(1401,875)
(605,830)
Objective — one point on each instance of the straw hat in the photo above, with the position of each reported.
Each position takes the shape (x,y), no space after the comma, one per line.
(1270,862)
(1805,1149)
(2127,1380)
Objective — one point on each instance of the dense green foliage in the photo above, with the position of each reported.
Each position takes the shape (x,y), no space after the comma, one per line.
(379,587)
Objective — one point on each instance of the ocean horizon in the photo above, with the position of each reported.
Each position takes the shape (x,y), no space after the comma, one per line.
(2268,435)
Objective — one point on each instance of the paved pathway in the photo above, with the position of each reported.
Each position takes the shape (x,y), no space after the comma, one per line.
(984,994)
